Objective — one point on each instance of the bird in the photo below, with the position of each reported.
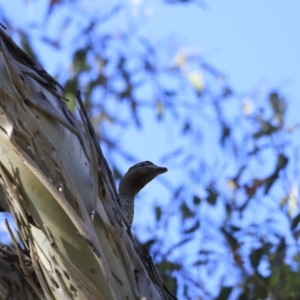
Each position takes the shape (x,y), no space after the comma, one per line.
(133,181)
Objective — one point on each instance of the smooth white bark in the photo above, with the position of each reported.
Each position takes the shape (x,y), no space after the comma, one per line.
(56,183)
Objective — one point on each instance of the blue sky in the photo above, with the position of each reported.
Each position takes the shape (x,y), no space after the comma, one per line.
(253,42)
(250,41)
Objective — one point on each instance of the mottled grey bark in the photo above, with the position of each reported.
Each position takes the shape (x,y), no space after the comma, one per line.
(60,191)
(13,283)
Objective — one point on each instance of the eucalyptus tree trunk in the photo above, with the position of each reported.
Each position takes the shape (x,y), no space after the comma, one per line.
(72,240)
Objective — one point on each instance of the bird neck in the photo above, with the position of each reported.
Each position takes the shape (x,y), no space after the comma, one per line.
(128,187)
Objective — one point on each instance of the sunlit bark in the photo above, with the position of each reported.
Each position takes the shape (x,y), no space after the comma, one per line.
(60,191)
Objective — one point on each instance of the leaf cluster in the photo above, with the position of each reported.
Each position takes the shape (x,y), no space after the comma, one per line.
(230,229)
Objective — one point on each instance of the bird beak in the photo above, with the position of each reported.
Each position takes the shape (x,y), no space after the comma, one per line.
(161,170)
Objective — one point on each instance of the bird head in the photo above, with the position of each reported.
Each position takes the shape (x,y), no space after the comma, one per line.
(139,175)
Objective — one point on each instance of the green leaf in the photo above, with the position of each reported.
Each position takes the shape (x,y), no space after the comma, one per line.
(179,244)
(186,127)
(274,277)
(196,200)
(225,133)
(166,266)
(158,213)
(295,222)
(233,242)
(212,196)
(296,258)
(282,161)
(186,212)
(193,228)
(235,228)
(159,107)
(266,129)
(227,92)
(278,105)
(117,174)
(255,257)
(26,45)
(171,283)
(225,293)
(71,86)
(170,93)
(149,243)
(201,262)
(79,60)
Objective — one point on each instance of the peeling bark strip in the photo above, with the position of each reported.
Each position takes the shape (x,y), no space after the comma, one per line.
(57,185)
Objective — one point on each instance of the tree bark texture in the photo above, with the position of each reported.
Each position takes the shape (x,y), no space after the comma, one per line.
(71,240)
